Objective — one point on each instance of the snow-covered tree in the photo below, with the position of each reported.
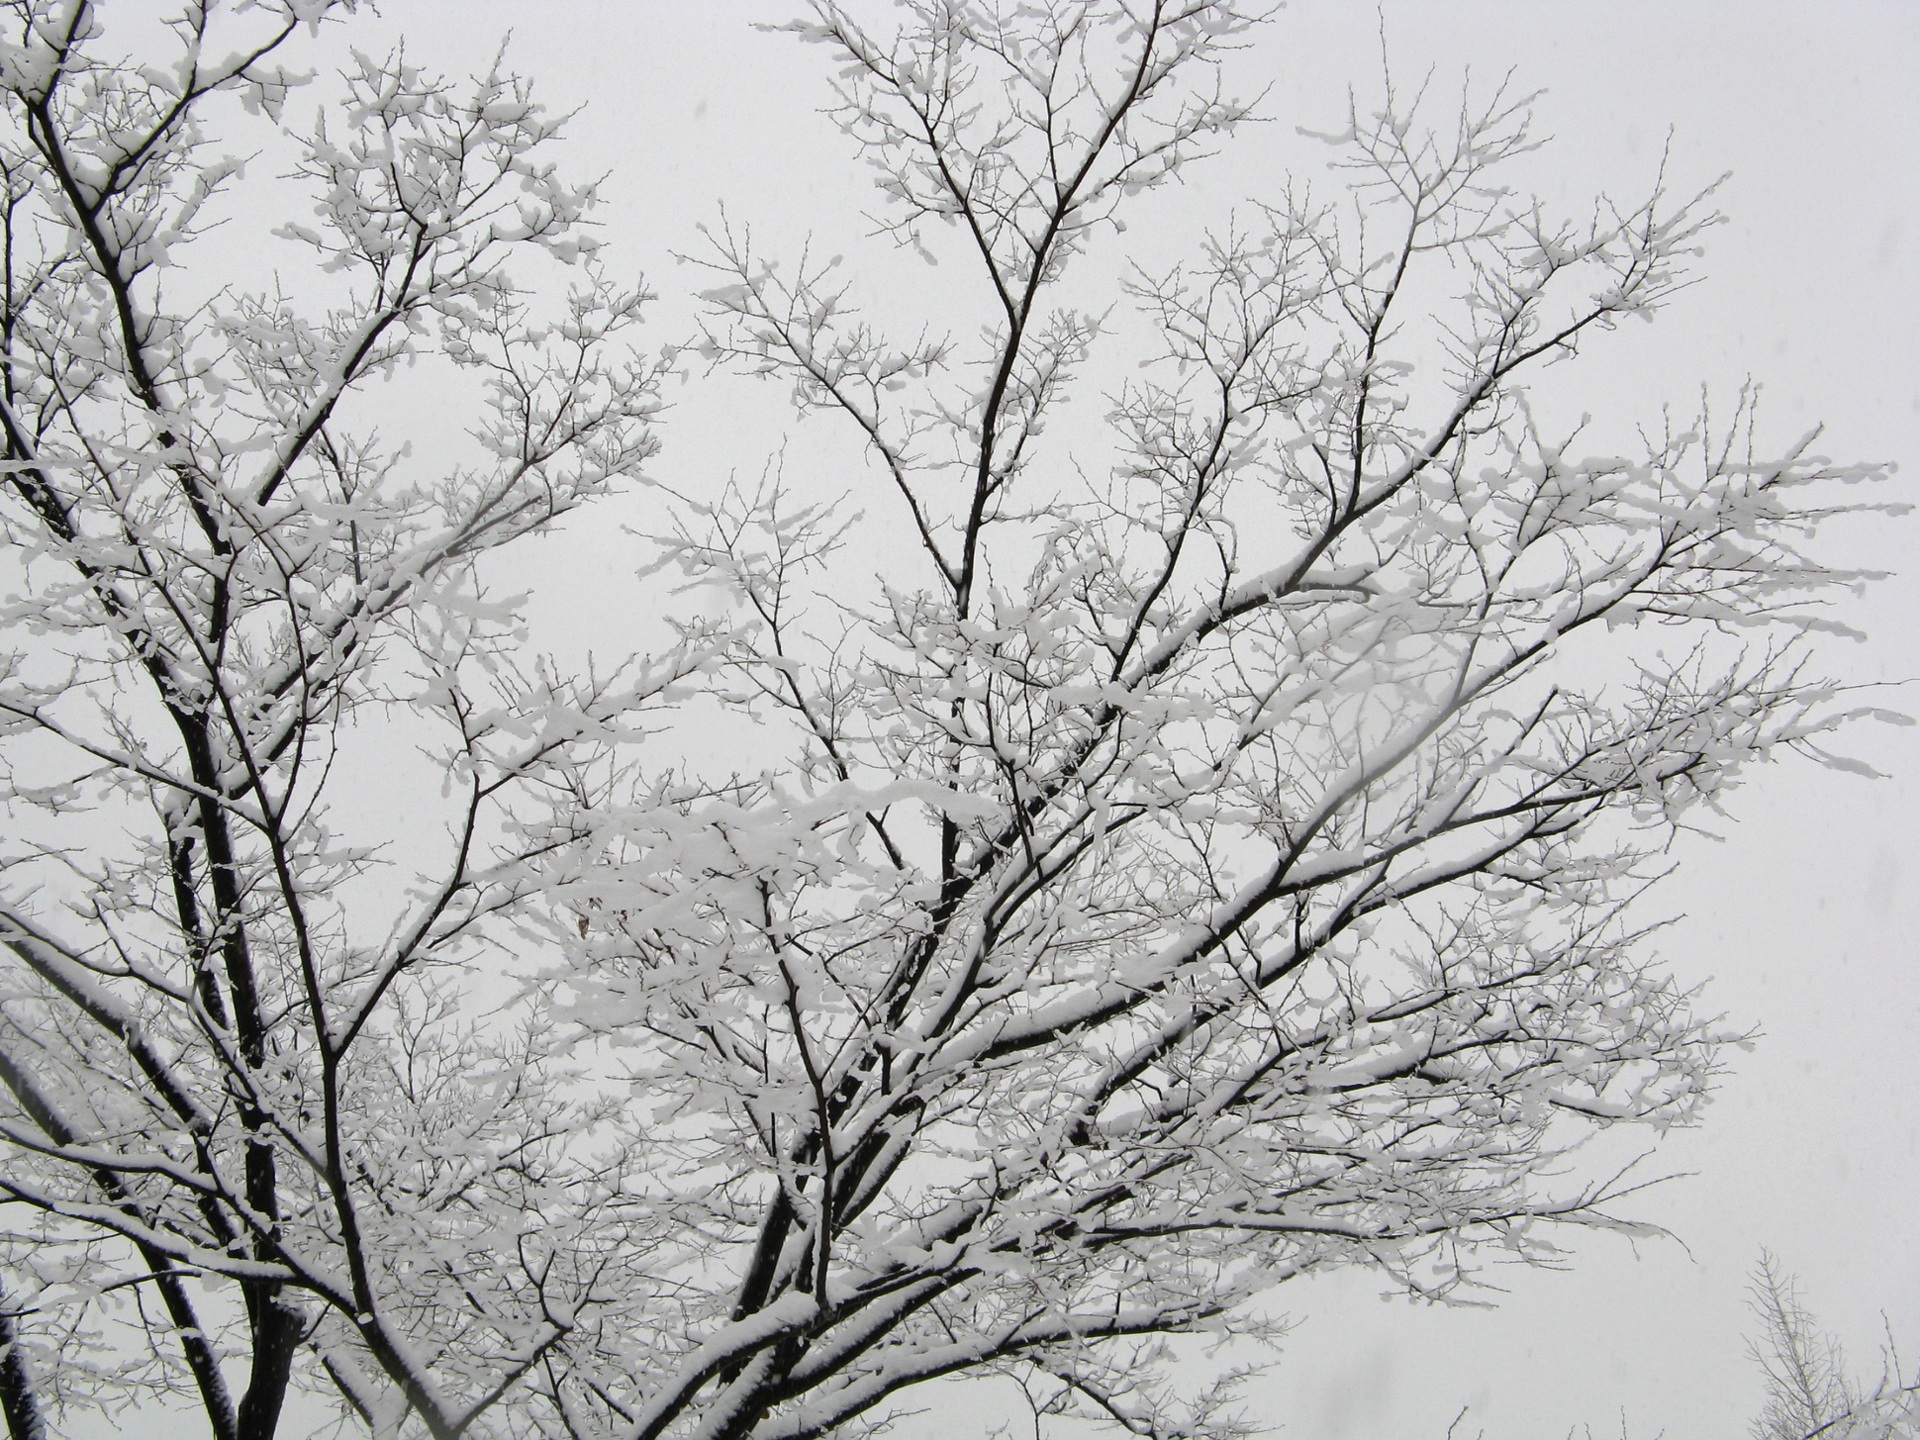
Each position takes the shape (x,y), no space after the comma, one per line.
(1809,1393)
(223,1059)
(1196,857)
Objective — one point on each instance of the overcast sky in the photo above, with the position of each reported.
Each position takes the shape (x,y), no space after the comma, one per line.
(1804,914)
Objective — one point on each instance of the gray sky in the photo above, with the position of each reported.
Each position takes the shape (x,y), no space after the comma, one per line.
(1804,914)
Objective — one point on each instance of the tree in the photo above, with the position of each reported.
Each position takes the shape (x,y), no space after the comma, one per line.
(1197,859)
(225,1062)
(1809,1392)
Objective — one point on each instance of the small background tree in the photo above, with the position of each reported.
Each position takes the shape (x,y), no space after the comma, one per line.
(1809,1392)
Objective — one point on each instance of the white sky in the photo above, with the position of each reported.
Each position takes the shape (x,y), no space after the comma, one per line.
(1805,914)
